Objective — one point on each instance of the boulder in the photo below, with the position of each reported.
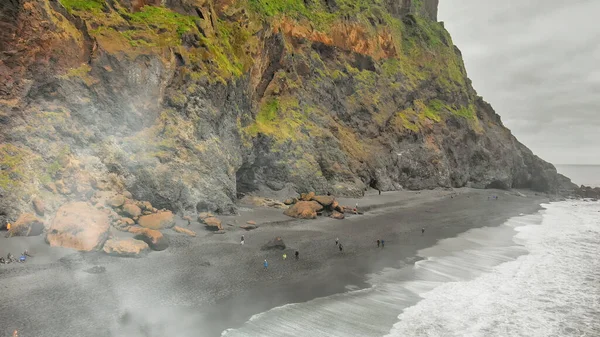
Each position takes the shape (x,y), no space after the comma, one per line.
(145,206)
(80,226)
(248,227)
(337,215)
(125,247)
(188,219)
(132,210)
(251,222)
(184,231)
(160,220)
(116,201)
(304,210)
(288,201)
(123,224)
(324,200)
(307,196)
(155,239)
(26,225)
(213,223)
(39,206)
(275,185)
(204,215)
(127,195)
(276,243)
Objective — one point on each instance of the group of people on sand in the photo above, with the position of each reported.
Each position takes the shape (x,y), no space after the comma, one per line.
(12,259)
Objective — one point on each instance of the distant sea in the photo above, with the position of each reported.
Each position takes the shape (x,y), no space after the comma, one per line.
(588,175)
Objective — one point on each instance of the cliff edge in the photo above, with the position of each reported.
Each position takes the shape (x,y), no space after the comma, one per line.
(192,103)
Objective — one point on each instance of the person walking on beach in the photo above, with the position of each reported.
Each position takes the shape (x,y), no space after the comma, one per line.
(266,264)
(297,255)
(382,243)
(378,243)
(242,241)
(341,248)
(337,241)
(284,256)
(422,231)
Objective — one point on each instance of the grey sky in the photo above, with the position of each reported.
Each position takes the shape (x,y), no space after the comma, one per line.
(538,63)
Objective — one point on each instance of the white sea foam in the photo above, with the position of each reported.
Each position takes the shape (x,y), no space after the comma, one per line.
(554,290)
(536,275)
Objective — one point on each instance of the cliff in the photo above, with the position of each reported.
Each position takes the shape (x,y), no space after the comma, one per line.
(191,103)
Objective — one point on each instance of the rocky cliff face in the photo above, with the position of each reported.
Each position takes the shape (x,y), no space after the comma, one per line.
(190,103)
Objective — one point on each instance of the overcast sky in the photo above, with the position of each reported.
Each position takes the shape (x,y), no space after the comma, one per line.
(538,63)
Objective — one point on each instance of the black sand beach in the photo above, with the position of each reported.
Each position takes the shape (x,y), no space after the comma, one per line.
(203,285)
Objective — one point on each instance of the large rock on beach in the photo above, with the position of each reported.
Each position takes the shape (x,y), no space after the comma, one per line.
(116,201)
(307,196)
(324,200)
(155,239)
(213,223)
(160,220)
(145,205)
(125,247)
(337,215)
(80,226)
(204,215)
(132,210)
(304,210)
(276,243)
(26,225)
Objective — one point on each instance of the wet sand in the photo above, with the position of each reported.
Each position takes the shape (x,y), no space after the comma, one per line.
(203,285)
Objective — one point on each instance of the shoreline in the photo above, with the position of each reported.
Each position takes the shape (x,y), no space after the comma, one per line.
(193,296)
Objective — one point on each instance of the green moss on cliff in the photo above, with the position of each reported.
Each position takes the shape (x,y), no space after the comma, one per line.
(11,165)
(83,5)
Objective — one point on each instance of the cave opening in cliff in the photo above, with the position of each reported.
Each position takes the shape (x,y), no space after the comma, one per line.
(245,181)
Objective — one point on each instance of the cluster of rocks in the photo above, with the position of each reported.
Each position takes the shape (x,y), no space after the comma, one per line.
(587,192)
(86,225)
(310,205)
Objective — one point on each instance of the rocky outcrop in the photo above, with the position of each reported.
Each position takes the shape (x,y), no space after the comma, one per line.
(26,225)
(275,244)
(587,192)
(189,105)
(80,226)
(155,239)
(125,247)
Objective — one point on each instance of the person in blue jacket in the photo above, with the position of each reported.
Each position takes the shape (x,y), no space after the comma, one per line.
(266,264)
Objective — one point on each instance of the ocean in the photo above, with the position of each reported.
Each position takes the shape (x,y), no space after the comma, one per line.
(535,275)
